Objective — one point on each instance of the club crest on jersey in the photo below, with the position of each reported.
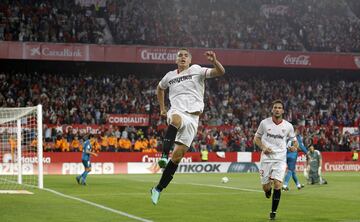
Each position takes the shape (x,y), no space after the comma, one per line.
(180,79)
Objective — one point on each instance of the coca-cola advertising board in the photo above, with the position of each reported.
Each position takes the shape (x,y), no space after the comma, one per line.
(167,55)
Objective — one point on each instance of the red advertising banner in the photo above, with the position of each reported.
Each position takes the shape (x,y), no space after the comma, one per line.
(166,55)
(78,128)
(65,52)
(76,168)
(50,157)
(156,55)
(126,163)
(341,166)
(113,120)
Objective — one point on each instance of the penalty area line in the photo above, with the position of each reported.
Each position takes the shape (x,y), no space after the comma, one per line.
(98,205)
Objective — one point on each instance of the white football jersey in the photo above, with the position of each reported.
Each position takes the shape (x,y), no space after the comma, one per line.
(186,89)
(275,136)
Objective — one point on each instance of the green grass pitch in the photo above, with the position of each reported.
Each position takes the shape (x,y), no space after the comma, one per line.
(190,197)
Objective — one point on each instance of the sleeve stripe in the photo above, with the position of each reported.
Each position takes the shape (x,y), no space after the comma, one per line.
(206,73)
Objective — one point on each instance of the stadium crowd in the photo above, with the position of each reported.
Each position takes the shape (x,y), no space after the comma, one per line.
(49,21)
(309,25)
(235,105)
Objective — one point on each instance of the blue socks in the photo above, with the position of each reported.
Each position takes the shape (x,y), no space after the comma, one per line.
(84,175)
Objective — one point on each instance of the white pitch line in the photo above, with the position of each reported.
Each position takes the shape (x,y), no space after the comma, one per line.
(224,187)
(90,203)
(98,205)
(206,185)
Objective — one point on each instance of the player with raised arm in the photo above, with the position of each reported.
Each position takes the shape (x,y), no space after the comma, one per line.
(186,94)
(271,137)
(87,151)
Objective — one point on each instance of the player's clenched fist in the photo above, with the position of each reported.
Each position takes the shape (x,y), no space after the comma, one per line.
(210,55)
(163,113)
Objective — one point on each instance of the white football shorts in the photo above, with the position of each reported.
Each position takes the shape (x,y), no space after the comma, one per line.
(272,170)
(188,129)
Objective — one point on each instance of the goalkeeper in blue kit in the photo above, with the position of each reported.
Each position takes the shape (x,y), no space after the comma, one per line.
(291,158)
(85,158)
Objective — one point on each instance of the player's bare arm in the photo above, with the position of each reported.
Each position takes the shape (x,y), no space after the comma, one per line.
(218,69)
(160,96)
(92,153)
(265,149)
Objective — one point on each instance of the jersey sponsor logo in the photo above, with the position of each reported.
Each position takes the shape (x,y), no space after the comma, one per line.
(277,136)
(180,79)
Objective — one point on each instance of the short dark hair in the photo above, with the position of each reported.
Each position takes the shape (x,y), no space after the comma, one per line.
(185,49)
(278,101)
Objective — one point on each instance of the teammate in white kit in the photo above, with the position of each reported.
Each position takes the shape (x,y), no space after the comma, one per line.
(271,137)
(186,94)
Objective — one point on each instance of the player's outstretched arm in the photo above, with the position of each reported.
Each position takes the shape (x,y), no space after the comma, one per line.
(218,69)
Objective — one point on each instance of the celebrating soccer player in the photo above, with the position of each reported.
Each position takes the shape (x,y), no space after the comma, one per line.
(271,137)
(186,93)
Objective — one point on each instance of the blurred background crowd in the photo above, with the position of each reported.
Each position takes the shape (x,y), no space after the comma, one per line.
(308,25)
(234,106)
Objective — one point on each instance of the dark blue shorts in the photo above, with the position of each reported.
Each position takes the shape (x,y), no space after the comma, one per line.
(86,163)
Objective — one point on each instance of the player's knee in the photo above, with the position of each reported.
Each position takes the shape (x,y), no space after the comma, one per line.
(177,159)
(277,184)
(175,120)
(177,156)
(267,187)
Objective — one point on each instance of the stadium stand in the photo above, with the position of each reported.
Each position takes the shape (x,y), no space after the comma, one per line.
(235,103)
(308,25)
